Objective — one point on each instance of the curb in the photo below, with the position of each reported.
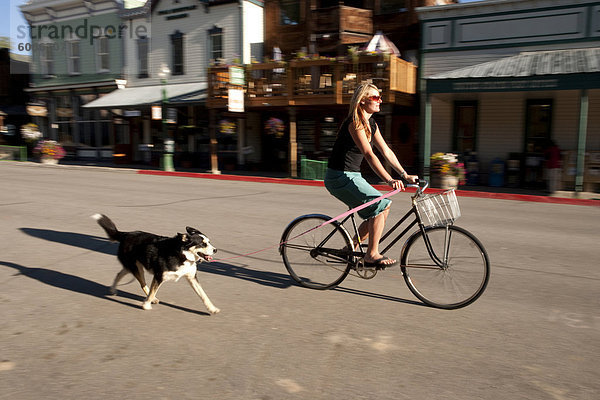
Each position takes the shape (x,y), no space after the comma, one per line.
(304,182)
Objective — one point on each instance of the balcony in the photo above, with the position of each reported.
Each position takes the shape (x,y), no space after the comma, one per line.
(311,82)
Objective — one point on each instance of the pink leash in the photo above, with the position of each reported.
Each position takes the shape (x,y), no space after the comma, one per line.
(355,209)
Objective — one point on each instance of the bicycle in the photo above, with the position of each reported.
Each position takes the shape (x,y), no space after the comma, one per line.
(444,266)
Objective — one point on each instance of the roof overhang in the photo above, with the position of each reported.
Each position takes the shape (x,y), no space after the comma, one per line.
(572,69)
(71,86)
(132,97)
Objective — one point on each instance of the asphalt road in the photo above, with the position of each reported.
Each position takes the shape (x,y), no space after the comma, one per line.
(534,334)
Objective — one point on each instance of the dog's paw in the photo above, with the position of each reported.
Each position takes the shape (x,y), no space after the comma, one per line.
(155,301)
(147,305)
(112,291)
(214,311)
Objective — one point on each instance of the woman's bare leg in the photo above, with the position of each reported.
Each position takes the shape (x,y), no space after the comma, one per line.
(376,226)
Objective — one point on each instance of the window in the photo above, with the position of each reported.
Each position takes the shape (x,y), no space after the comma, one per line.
(142,53)
(289,12)
(177,53)
(465,126)
(102,54)
(47,59)
(538,126)
(73,57)
(392,6)
(538,129)
(215,37)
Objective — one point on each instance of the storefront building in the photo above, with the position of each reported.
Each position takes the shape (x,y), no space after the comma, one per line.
(76,58)
(165,69)
(500,79)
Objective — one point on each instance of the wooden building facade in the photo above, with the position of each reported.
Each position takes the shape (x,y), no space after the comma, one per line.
(502,78)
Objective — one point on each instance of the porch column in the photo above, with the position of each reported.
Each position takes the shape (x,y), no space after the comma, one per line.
(191,121)
(387,129)
(241,140)
(146,129)
(582,135)
(76,107)
(212,130)
(293,145)
(427,137)
(53,131)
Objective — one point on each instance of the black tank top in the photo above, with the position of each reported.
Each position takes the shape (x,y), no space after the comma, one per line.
(345,155)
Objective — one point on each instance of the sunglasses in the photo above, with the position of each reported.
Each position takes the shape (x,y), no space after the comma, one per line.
(375,98)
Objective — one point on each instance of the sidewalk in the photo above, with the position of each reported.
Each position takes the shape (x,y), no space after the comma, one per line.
(502,193)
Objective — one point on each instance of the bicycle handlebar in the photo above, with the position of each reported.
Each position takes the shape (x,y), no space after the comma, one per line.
(421,185)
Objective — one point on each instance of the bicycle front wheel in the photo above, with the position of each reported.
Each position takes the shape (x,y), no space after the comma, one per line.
(445,268)
(318,259)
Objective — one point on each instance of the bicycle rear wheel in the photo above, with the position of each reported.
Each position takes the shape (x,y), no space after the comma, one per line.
(453,275)
(318,259)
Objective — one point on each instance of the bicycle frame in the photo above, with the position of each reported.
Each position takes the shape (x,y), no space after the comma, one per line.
(442,263)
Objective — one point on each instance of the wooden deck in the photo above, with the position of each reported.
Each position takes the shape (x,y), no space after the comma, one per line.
(311,82)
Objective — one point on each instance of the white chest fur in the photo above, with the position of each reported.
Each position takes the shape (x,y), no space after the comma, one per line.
(187,268)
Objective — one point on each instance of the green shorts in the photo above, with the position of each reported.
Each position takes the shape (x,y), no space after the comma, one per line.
(353,190)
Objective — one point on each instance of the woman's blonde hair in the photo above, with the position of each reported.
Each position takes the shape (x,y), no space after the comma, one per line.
(356,118)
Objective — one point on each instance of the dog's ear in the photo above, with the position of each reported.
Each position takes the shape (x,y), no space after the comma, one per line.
(192,231)
(183,237)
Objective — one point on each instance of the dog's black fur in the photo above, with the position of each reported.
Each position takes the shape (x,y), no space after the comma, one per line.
(167,258)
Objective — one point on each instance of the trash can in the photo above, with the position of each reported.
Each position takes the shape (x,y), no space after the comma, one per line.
(146,152)
(496,177)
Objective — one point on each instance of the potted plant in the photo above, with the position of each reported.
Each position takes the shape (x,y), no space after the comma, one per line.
(30,134)
(49,151)
(446,171)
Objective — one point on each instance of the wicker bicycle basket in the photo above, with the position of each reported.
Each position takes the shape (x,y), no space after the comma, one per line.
(439,209)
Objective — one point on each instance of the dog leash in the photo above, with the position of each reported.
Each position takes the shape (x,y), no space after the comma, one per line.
(343,215)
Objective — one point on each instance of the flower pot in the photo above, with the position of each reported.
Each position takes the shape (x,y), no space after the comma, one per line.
(48,160)
(444,181)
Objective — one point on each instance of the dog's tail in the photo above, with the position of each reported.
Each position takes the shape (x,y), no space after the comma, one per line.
(109,226)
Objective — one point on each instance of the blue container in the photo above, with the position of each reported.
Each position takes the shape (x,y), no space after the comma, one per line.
(496,178)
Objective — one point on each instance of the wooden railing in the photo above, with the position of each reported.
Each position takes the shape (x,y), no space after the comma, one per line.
(315,81)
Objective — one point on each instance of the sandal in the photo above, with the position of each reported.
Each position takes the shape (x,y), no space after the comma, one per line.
(378,264)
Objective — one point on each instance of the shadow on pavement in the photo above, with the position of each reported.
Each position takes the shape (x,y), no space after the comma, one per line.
(283,281)
(103,245)
(378,296)
(266,278)
(88,242)
(80,285)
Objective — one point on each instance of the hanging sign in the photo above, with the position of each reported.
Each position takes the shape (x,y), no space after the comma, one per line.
(156,112)
(236,100)
(37,110)
(171,115)
(236,76)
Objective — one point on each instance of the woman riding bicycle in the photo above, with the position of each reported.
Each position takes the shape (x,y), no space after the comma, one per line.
(355,140)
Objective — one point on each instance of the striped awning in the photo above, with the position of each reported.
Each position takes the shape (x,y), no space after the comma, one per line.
(535,70)
(133,97)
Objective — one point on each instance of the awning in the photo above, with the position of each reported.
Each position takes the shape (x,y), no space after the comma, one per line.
(536,70)
(133,97)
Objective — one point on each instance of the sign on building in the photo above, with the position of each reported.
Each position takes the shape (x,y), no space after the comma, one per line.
(236,100)
(156,112)
(171,115)
(236,76)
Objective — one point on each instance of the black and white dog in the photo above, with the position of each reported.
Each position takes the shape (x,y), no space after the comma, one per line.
(167,258)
